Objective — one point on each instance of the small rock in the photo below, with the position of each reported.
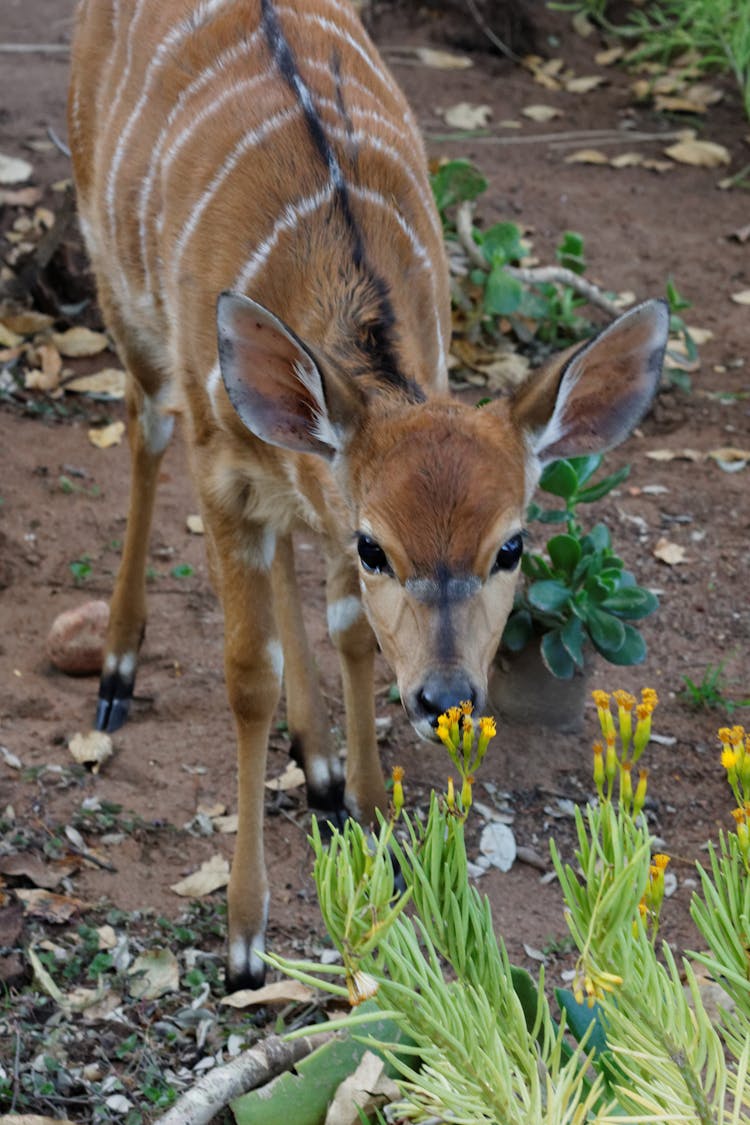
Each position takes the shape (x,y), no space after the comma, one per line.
(75,643)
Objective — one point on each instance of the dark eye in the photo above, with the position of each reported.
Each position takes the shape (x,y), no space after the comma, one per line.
(509,554)
(372,556)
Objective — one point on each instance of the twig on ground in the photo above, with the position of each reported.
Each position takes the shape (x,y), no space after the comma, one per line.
(34,49)
(536,276)
(487,30)
(253,1068)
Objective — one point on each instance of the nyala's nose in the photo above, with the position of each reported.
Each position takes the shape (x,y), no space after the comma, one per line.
(440,691)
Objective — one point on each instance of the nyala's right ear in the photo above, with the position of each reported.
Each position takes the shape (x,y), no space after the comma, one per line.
(276,386)
(588,399)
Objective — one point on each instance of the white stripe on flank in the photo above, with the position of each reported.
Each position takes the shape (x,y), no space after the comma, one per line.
(348,82)
(125,76)
(332,29)
(370,196)
(204,10)
(248,141)
(292,214)
(228,57)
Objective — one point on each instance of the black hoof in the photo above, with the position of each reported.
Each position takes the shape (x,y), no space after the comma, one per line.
(113,704)
(238,979)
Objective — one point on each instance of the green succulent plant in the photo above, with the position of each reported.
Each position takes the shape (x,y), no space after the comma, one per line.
(578,592)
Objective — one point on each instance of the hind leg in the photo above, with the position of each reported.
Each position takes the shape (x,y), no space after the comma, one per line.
(149,431)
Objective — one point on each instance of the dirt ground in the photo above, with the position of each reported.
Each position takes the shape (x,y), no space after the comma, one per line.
(176,753)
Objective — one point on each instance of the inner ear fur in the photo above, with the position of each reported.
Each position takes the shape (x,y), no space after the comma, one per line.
(276,384)
(588,398)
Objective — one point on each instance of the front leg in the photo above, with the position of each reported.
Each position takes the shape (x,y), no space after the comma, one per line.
(352,635)
(241,560)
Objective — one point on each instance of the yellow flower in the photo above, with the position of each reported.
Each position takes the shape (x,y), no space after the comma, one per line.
(601,698)
(648,695)
(466,793)
(487,731)
(729,758)
(625,704)
(624,699)
(660,860)
(466,707)
(397,774)
(640,792)
(468,739)
(451,796)
(643,729)
(606,722)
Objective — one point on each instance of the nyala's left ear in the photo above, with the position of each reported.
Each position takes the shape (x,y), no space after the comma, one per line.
(589,398)
(275,384)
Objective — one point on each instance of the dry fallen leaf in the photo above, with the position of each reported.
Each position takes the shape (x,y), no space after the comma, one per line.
(541,113)
(701,154)
(700,336)
(280,992)
(465,115)
(584,84)
(21,197)
(79,341)
(92,749)
(13,170)
(657,165)
(362,1092)
(675,455)
(587,156)
(291,778)
(42,874)
(51,907)
(105,436)
(26,322)
(609,56)
(210,876)
(33,1119)
(441,60)
(670,553)
(227,824)
(108,383)
(154,973)
(195,525)
(8,338)
(730,459)
(742,234)
(627,160)
(505,371)
(741,298)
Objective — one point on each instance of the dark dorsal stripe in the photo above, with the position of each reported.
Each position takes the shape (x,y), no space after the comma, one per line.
(377,342)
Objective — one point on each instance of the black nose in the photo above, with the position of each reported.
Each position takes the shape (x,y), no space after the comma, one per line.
(441,691)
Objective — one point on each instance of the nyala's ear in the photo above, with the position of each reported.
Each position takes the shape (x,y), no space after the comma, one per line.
(275,385)
(589,398)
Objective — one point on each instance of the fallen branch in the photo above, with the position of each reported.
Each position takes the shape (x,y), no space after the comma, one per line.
(253,1068)
(539,275)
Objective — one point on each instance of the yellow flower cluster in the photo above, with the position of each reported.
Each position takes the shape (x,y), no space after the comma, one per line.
(466,740)
(607,764)
(735,758)
(590,983)
(650,905)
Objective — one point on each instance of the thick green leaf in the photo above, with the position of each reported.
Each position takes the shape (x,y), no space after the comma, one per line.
(565,552)
(456,181)
(631,602)
(632,650)
(585,466)
(607,632)
(598,539)
(569,252)
(573,637)
(535,567)
(553,515)
(518,630)
(502,293)
(556,657)
(527,992)
(580,1018)
(548,595)
(559,478)
(501,244)
(602,487)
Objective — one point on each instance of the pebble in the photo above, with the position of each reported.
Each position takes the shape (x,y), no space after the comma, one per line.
(75,643)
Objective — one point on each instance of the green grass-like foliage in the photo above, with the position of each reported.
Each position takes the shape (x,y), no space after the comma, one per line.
(634,1041)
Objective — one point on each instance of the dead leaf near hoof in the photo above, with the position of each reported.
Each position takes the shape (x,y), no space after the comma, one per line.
(280,992)
(362,1092)
(105,436)
(541,113)
(153,974)
(587,156)
(195,525)
(292,777)
(210,876)
(79,341)
(13,170)
(92,749)
(670,553)
(29,866)
(108,384)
